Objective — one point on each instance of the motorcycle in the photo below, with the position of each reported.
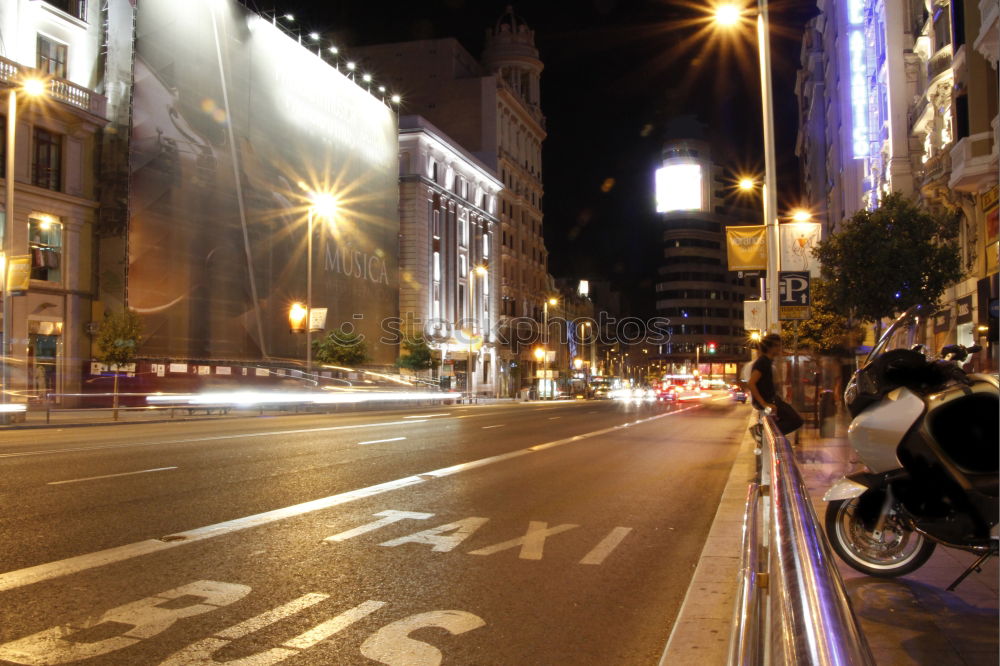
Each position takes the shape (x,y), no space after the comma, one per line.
(927,433)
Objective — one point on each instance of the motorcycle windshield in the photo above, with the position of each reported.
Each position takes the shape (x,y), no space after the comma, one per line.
(901,334)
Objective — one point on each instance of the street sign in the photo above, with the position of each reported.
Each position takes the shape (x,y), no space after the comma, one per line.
(793,295)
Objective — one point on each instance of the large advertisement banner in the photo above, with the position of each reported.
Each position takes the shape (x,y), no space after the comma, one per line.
(746,248)
(236,128)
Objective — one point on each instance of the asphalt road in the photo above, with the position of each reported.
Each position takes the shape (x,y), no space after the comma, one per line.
(561,533)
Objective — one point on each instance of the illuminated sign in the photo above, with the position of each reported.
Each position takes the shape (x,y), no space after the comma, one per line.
(859,90)
(678,187)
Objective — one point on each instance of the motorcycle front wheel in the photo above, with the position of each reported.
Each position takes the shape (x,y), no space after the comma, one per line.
(895,552)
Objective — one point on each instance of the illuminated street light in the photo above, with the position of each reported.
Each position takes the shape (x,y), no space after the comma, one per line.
(324,206)
(481,271)
(769,190)
(747,184)
(32,87)
(539,353)
(395,99)
(728,15)
(297,315)
(801,215)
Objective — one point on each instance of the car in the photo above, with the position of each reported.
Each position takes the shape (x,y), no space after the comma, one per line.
(738,393)
(667,393)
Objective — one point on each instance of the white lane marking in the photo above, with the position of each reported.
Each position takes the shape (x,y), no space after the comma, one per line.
(207,439)
(607,544)
(425,416)
(110,476)
(553,418)
(379,441)
(29,575)
(443,538)
(493,426)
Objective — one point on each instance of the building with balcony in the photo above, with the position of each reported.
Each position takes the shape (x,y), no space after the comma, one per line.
(911,107)
(50,191)
(448,231)
(699,297)
(492,109)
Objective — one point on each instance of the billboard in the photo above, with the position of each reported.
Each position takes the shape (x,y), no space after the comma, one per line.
(235,128)
(679,187)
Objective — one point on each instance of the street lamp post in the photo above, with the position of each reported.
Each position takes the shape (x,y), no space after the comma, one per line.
(325,206)
(545,325)
(32,88)
(481,271)
(729,15)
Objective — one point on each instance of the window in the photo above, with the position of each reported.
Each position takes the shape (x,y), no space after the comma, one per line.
(51,57)
(436,224)
(75,8)
(46,168)
(45,245)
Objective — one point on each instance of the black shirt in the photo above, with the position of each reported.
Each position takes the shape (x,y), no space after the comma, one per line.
(765,385)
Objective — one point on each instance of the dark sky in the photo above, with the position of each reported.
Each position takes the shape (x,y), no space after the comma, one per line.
(616,72)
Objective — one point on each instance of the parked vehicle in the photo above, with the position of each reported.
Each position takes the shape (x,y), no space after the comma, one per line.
(927,432)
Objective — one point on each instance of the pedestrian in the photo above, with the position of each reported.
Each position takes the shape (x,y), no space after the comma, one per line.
(763,391)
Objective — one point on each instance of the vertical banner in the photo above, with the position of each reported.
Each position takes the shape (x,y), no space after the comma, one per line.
(754,315)
(798,240)
(746,248)
(19,272)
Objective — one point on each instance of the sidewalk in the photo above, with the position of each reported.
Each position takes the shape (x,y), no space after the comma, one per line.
(908,620)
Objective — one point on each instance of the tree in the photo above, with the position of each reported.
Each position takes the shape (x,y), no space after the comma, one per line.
(118,339)
(341,348)
(887,259)
(417,356)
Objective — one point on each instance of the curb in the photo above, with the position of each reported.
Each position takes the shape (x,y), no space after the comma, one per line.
(700,634)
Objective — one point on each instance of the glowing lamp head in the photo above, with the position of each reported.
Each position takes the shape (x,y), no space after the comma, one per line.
(481,271)
(333,49)
(728,14)
(539,353)
(324,205)
(578,363)
(801,216)
(297,317)
(553,301)
(747,184)
(314,36)
(352,66)
(367,78)
(33,86)
(396,99)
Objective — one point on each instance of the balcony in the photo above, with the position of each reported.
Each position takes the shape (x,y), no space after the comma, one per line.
(60,90)
(973,163)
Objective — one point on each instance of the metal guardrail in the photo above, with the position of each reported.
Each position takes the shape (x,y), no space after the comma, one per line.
(792,606)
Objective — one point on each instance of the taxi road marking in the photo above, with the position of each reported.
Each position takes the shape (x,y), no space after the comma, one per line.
(29,575)
(109,476)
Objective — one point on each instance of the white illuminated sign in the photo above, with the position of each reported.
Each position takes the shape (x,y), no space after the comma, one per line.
(678,187)
(859,89)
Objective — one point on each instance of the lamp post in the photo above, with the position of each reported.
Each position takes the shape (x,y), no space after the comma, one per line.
(728,15)
(325,206)
(545,325)
(32,87)
(480,271)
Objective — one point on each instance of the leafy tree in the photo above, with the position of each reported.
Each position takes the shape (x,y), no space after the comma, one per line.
(887,259)
(118,339)
(341,348)
(417,356)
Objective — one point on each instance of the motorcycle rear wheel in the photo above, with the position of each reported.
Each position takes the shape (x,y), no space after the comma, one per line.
(897,552)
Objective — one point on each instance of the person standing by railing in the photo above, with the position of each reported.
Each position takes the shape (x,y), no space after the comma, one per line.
(763,391)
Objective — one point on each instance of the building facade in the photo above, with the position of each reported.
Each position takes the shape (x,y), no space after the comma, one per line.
(492,109)
(911,107)
(448,238)
(50,191)
(699,297)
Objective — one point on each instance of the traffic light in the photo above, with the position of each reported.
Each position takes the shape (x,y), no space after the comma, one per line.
(711,347)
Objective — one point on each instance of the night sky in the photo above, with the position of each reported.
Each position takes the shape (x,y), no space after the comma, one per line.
(616,73)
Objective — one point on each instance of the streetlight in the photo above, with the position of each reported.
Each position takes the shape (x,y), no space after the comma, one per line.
(481,271)
(32,87)
(325,206)
(545,325)
(729,15)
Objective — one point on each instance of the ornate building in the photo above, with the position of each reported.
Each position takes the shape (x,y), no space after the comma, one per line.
(491,109)
(902,96)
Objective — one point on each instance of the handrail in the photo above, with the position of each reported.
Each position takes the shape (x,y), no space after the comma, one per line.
(811,620)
